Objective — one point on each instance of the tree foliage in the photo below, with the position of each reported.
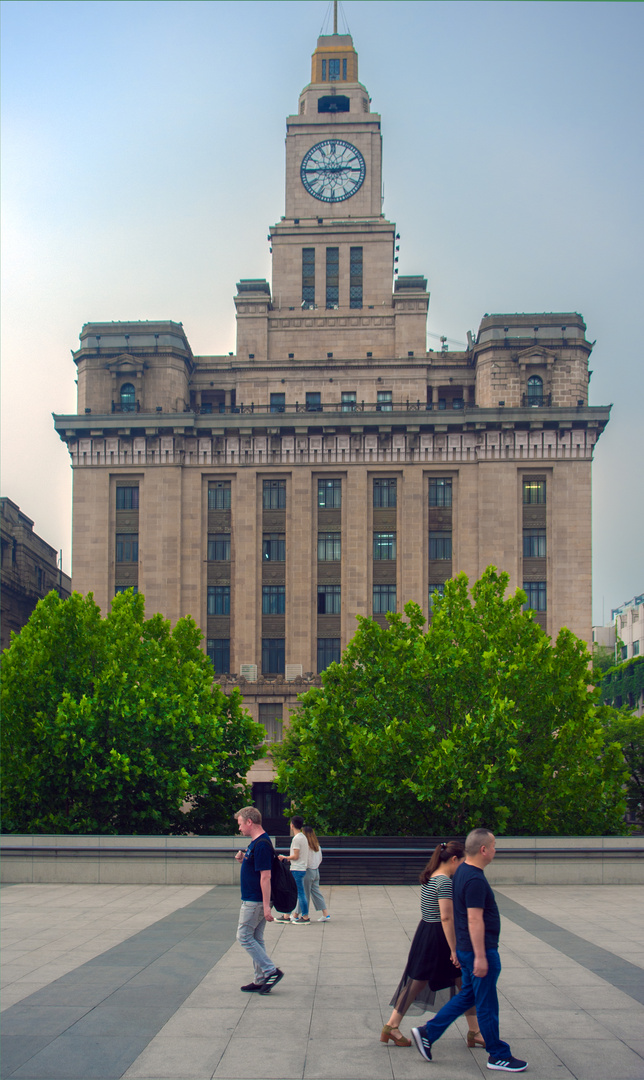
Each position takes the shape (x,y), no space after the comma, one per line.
(478,720)
(627,729)
(111,724)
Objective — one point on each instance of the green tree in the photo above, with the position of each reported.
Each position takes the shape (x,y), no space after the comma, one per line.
(111,725)
(479,720)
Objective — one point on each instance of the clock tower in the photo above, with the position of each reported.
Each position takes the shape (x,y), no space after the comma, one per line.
(333,293)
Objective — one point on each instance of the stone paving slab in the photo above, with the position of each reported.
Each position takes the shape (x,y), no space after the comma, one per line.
(143,981)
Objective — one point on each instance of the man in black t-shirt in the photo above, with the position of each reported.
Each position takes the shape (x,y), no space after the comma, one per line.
(255,880)
(477,923)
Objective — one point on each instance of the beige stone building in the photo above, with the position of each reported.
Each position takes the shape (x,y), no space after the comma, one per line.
(334,465)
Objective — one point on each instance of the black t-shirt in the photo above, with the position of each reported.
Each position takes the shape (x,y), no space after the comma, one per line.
(471,890)
(257,857)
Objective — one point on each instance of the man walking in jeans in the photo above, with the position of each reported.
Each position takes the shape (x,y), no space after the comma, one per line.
(255,878)
(477,923)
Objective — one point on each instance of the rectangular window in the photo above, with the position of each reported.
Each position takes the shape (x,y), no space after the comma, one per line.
(384,599)
(355,277)
(384,545)
(127,547)
(330,494)
(329,549)
(334,70)
(270,715)
(313,402)
(384,493)
(123,588)
(332,277)
(38,570)
(308,277)
(324,71)
(219,599)
(440,545)
(442,403)
(274,495)
(329,652)
(440,491)
(534,543)
(344,69)
(219,548)
(219,495)
(218,650)
(278,402)
(636,648)
(534,492)
(384,401)
(536,594)
(329,599)
(348,401)
(274,547)
(458,403)
(272,656)
(127,498)
(273,599)
(623,654)
(436,590)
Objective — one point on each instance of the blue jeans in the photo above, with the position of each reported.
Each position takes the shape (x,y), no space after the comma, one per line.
(302,899)
(250,935)
(479,992)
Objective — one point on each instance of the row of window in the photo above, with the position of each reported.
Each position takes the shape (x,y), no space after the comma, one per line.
(274,547)
(635,650)
(329,546)
(330,494)
(385,492)
(332,282)
(535,591)
(274,599)
(273,654)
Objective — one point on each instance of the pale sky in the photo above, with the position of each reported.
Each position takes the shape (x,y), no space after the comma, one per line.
(143,161)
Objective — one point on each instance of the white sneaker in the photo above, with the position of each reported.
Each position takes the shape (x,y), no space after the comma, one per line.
(324,918)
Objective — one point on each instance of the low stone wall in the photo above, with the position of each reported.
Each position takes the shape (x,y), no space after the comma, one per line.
(209,860)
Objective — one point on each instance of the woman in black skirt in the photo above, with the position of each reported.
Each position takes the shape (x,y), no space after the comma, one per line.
(432,966)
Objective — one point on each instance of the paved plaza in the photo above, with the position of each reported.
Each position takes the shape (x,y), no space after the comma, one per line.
(143,981)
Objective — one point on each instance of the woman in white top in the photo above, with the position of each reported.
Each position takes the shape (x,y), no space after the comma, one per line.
(432,964)
(299,860)
(312,876)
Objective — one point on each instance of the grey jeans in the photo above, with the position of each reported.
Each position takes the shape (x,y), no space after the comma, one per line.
(312,889)
(250,934)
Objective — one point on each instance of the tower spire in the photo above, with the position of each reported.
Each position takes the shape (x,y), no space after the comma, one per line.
(335,16)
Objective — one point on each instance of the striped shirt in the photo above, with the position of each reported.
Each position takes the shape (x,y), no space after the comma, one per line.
(439,886)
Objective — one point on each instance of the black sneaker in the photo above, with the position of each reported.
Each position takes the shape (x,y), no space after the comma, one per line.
(507,1064)
(271,981)
(422,1042)
(252,988)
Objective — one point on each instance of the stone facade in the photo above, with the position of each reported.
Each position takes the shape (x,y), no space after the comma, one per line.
(29,570)
(333,466)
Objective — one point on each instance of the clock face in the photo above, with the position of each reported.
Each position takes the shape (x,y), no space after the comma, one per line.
(332,171)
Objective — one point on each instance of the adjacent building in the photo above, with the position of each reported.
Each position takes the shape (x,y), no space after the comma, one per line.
(29,570)
(333,466)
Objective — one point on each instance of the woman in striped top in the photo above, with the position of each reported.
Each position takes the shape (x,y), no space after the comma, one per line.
(432,965)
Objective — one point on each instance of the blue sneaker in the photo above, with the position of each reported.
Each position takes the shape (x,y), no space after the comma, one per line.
(423,1043)
(507,1064)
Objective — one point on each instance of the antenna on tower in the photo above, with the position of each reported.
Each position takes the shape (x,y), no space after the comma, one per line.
(335,16)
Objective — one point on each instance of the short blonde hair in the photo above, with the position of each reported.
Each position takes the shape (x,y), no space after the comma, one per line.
(249,813)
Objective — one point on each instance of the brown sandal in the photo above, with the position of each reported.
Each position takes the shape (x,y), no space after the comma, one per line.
(398,1040)
(474,1038)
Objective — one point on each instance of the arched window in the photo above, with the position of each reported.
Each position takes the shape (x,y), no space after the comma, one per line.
(535,390)
(128,398)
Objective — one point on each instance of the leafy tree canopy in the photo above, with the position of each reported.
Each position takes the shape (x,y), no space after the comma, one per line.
(478,721)
(111,724)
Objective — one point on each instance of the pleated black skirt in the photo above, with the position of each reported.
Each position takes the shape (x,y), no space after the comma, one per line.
(428,961)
